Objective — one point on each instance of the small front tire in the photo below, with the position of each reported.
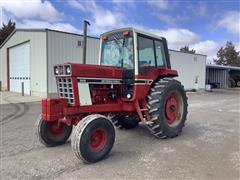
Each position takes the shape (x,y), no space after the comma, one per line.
(93,138)
(50,133)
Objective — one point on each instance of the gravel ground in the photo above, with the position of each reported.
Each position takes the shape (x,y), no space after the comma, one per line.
(209,147)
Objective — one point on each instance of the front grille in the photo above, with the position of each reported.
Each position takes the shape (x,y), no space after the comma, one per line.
(65,89)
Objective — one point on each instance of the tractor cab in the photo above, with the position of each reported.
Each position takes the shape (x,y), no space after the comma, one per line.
(137,53)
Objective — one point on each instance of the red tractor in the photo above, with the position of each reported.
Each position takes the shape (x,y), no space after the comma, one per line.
(133,83)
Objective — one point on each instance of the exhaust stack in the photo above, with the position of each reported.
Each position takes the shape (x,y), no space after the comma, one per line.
(85,24)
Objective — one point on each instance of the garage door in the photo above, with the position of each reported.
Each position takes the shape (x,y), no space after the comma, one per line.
(19,68)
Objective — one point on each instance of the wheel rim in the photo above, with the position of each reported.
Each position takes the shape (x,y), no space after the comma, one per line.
(173,108)
(55,129)
(98,139)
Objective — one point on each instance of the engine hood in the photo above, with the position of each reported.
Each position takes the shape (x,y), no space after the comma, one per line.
(95,71)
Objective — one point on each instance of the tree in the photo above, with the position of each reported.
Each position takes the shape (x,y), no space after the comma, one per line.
(228,55)
(6,30)
(186,49)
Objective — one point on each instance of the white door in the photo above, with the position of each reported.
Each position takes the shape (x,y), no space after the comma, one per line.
(19,68)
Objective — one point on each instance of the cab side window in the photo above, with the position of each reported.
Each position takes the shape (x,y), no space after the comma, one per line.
(159,53)
(145,52)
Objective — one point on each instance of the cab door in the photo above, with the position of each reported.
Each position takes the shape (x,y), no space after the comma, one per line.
(152,54)
(128,68)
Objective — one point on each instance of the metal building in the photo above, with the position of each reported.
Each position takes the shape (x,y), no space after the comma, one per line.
(218,75)
(28,56)
(191,69)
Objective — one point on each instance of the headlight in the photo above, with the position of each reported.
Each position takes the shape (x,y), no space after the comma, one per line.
(129,96)
(56,71)
(68,70)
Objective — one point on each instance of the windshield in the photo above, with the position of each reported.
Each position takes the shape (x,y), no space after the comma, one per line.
(117,50)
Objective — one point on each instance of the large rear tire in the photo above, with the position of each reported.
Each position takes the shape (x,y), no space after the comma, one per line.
(50,133)
(167,107)
(93,138)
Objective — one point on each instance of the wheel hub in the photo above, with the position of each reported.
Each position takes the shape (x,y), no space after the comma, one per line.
(98,139)
(56,129)
(171,108)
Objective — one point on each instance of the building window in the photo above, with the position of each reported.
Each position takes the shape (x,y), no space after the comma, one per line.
(79,43)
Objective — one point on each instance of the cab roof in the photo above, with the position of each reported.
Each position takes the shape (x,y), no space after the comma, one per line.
(133,30)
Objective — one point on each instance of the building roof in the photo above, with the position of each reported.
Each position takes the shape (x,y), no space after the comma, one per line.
(215,66)
(41,30)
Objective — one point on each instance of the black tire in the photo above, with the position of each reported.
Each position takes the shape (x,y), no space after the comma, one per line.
(124,122)
(238,84)
(93,138)
(167,107)
(50,134)
(231,83)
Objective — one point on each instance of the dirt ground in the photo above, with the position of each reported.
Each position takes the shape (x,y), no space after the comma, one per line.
(209,147)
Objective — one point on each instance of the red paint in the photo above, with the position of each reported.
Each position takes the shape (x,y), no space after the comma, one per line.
(55,128)
(102,102)
(98,139)
(52,109)
(99,108)
(157,72)
(94,71)
(171,108)
(8,71)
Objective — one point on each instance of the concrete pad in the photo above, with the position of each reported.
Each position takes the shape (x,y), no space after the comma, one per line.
(7,97)
(208,148)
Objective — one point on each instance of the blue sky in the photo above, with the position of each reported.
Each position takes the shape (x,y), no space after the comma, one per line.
(202,25)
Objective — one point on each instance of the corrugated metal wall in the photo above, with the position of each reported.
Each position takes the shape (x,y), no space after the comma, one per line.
(37,40)
(190,67)
(64,47)
(217,76)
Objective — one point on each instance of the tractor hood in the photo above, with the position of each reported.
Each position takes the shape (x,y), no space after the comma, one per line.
(90,71)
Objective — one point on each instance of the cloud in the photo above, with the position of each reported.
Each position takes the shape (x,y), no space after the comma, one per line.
(160,4)
(101,19)
(170,20)
(201,9)
(3,17)
(177,38)
(197,8)
(208,48)
(124,2)
(43,24)
(35,14)
(32,9)
(231,22)
(76,4)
